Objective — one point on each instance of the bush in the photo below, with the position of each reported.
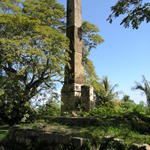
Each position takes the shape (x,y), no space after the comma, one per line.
(116,108)
(51,108)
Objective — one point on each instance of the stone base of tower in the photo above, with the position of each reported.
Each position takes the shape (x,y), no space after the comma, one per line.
(76,97)
(70,98)
(87,98)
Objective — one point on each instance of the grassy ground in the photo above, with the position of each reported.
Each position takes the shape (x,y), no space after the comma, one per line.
(97,133)
(131,128)
(3,132)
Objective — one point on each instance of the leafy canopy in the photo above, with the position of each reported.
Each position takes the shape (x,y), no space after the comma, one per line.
(135,11)
(33,51)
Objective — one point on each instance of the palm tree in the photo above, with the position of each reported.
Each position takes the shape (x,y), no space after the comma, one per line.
(145,88)
(106,92)
(126,98)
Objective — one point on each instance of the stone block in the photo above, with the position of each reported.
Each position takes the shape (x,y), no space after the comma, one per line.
(112,143)
(139,147)
(74,13)
(70,98)
(87,97)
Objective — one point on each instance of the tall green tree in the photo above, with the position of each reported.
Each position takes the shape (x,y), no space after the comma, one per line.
(135,12)
(145,88)
(91,39)
(33,51)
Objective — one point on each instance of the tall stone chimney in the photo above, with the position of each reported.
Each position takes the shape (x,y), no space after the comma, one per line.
(74,74)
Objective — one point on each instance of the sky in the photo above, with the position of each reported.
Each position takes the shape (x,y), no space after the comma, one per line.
(124,54)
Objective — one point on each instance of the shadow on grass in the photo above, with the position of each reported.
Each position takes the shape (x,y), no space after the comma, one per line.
(132,128)
(133,121)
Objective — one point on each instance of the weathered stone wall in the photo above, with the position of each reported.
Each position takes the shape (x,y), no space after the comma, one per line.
(29,139)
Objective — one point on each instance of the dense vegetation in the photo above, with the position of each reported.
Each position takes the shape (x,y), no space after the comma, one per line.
(126,121)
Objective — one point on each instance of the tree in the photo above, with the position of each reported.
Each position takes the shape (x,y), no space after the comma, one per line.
(50,108)
(126,98)
(145,88)
(33,52)
(105,92)
(90,36)
(91,39)
(136,12)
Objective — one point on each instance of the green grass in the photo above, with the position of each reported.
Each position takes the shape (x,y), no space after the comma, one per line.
(129,127)
(3,132)
(111,126)
(126,121)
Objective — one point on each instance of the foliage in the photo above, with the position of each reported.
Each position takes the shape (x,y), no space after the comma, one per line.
(124,121)
(91,39)
(51,108)
(127,124)
(136,12)
(91,77)
(105,92)
(3,132)
(145,88)
(118,108)
(126,98)
(33,51)
(90,36)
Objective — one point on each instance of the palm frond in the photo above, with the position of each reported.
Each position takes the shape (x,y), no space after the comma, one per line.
(145,88)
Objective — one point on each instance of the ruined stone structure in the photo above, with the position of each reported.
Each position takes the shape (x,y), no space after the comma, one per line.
(74,74)
(25,139)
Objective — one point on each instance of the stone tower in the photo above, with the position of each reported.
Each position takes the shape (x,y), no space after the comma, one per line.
(74,74)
